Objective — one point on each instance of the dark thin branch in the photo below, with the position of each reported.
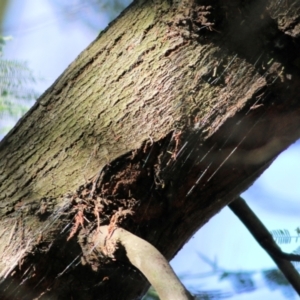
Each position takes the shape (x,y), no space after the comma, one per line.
(265,239)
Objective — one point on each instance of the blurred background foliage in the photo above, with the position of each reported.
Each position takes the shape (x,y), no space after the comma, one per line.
(87,11)
(237,282)
(16,80)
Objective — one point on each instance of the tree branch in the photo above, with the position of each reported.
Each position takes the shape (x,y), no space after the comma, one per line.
(265,239)
(145,258)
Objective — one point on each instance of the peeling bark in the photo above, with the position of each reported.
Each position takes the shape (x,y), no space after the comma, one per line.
(172,112)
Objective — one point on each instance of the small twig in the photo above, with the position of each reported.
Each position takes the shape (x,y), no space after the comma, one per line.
(265,239)
(13,229)
(79,220)
(149,261)
(98,178)
(97,210)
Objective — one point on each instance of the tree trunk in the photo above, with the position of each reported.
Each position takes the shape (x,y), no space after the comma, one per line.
(172,112)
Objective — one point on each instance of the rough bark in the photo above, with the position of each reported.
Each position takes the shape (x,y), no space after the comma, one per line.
(173,111)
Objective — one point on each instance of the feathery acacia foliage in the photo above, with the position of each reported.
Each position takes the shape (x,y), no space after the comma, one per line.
(245,281)
(15,81)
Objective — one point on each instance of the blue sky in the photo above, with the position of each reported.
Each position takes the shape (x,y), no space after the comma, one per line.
(49,43)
